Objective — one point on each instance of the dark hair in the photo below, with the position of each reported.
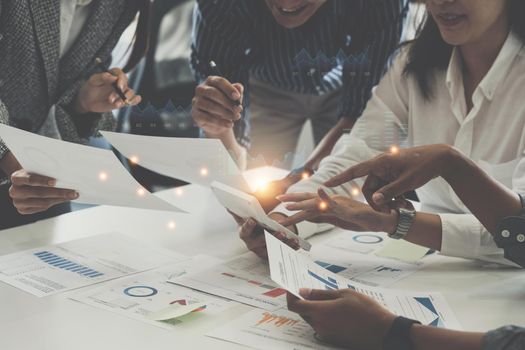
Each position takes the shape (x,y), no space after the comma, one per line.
(142,33)
(429,53)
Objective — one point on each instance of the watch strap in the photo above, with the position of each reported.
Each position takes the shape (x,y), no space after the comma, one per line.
(404,223)
(398,336)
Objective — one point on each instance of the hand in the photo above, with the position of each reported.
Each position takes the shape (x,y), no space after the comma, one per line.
(267,195)
(253,235)
(212,107)
(98,94)
(340,211)
(390,175)
(344,317)
(32,193)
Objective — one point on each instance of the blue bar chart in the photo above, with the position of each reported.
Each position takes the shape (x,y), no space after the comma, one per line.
(65,264)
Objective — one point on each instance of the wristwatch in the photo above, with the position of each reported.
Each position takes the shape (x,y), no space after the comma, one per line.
(404,222)
(398,336)
(510,236)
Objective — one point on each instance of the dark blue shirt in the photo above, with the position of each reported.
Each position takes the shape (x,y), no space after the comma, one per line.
(346,44)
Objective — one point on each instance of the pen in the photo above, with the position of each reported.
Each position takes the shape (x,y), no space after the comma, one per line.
(121,94)
(215,71)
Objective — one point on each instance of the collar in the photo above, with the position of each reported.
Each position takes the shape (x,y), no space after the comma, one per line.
(499,70)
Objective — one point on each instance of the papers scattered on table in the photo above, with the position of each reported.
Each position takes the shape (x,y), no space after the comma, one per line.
(148,297)
(58,268)
(245,279)
(293,270)
(367,269)
(96,174)
(278,330)
(197,161)
(376,244)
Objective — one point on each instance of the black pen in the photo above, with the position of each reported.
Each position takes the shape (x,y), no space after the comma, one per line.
(215,71)
(121,94)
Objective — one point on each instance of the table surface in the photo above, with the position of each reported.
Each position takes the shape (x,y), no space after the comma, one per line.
(482,297)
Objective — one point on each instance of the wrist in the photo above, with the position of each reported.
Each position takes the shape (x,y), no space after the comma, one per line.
(451,161)
(78,106)
(390,222)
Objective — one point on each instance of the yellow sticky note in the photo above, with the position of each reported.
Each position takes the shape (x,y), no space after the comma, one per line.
(402,250)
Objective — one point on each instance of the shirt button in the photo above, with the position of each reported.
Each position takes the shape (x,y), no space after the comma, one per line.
(520,238)
(505,234)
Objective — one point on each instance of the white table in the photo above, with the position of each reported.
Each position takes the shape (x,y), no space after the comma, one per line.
(482,298)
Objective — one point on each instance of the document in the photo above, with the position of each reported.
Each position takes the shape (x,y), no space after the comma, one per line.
(247,206)
(245,279)
(278,330)
(293,270)
(197,161)
(149,298)
(367,269)
(96,174)
(378,245)
(57,268)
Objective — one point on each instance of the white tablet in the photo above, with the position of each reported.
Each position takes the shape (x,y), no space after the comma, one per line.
(247,206)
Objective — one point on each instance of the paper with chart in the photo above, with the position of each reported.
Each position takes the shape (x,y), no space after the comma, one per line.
(197,161)
(378,245)
(278,330)
(293,270)
(245,279)
(148,297)
(96,174)
(57,268)
(367,269)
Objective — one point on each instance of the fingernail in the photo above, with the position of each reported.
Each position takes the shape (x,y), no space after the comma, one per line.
(236,95)
(279,197)
(305,292)
(289,206)
(51,182)
(73,195)
(378,198)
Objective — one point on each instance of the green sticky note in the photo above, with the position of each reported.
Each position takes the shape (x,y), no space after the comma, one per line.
(402,250)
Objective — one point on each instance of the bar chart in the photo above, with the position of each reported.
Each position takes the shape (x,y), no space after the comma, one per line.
(66,264)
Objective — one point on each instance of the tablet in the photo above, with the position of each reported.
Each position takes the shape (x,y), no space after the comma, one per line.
(247,206)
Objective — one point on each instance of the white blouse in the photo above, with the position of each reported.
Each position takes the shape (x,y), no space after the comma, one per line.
(492,134)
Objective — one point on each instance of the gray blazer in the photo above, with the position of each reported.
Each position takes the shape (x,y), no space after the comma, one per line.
(32,78)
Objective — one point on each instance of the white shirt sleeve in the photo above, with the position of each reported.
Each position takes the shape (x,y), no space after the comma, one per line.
(382,124)
(464,236)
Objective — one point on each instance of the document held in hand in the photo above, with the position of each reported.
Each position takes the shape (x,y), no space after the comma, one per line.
(197,161)
(247,206)
(96,174)
(294,270)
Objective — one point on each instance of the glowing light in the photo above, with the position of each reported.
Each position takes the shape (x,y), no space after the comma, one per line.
(141,192)
(179,192)
(102,176)
(171,225)
(323,206)
(355,192)
(134,160)
(261,184)
(305,175)
(394,149)
(204,171)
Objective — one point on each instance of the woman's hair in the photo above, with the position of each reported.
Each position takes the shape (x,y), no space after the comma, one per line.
(429,53)
(142,33)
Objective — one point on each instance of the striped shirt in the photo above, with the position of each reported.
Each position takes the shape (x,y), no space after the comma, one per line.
(345,45)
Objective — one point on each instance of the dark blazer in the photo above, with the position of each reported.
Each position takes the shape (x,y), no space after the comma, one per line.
(33,78)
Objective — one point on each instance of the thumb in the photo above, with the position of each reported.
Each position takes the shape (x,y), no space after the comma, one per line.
(390,191)
(240,89)
(319,294)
